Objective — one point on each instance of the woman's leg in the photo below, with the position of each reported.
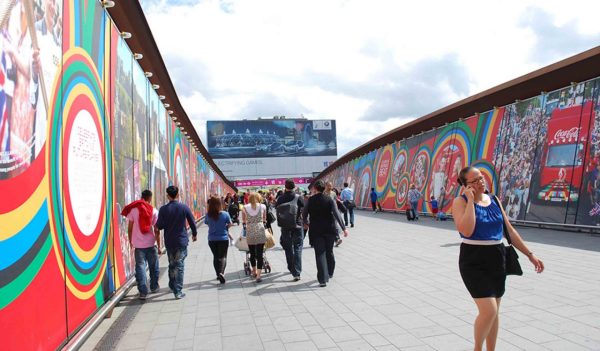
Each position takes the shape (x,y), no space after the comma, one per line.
(490,341)
(488,315)
(329,255)
(259,259)
(222,254)
(252,249)
(214,249)
(320,257)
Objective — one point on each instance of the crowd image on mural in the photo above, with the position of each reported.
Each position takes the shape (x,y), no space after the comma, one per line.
(541,156)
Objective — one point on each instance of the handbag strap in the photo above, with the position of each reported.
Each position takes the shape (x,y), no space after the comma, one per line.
(504,228)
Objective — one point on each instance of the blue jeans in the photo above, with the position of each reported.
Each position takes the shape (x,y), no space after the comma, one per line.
(292,240)
(176,260)
(147,255)
(350,210)
(415,205)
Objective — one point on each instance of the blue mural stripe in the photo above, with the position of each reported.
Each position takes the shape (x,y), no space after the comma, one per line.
(16,246)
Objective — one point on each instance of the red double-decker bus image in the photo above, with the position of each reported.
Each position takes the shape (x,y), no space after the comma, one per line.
(563,155)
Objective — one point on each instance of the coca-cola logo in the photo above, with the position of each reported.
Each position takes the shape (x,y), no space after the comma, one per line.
(564,135)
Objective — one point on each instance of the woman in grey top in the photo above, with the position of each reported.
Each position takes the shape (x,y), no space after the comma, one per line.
(254,218)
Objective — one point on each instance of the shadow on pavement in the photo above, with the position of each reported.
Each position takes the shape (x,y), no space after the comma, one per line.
(562,238)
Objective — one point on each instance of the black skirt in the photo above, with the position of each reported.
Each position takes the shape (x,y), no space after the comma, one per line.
(483,269)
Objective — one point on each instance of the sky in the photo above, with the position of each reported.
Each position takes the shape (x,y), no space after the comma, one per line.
(372,65)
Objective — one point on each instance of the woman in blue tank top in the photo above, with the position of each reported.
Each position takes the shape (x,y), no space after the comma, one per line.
(479,219)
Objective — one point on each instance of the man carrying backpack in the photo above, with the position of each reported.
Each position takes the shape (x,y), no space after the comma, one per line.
(289,217)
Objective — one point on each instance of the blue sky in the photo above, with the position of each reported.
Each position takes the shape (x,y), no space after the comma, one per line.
(370,64)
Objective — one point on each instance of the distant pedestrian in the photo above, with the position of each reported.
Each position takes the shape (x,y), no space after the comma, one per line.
(320,215)
(413,197)
(434,207)
(254,217)
(347,197)
(218,222)
(172,218)
(289,217)
(374,199)
(479,219)
(145,238)
(330,191)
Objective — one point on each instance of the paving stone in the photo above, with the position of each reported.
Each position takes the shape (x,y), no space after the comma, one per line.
(411,297)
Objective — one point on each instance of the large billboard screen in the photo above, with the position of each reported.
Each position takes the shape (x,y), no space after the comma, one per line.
(271,138)
(274,148)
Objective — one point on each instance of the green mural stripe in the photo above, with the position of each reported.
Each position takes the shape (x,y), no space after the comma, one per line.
(86,277)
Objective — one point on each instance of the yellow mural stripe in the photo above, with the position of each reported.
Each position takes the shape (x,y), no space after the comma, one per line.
(14,221)
(84,295)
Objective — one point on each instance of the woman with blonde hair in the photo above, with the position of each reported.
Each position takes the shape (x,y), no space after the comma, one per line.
(480,221)
(254,217)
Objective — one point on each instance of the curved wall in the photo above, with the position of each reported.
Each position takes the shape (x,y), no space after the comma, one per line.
(82,133)
(541,156)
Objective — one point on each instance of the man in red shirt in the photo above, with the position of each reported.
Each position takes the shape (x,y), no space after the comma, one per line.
(145,238)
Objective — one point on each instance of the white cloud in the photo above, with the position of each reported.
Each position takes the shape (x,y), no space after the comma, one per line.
(370,64)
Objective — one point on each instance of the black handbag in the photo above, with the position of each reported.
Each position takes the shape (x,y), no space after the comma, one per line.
(513,267)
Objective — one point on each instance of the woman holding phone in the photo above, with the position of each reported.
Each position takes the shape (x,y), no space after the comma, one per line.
(479,221)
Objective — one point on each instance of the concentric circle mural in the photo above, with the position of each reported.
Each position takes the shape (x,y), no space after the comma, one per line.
(78,176)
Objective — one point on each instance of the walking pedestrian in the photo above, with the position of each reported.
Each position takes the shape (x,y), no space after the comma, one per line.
(145,238)
(374,198)
(413,197)
(347,197)
(320,215)
(330,191)
(289,218)
(218,222)
(254,217)
(172,218)
(434,207)
(479,219)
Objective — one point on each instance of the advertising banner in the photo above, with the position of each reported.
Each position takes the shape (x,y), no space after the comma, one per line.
(270,182)
(281,148)
(271,138)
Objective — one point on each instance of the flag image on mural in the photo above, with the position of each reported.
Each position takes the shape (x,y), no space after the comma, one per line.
(30,58)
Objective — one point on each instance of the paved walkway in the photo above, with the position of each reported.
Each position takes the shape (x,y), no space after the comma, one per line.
(396,287)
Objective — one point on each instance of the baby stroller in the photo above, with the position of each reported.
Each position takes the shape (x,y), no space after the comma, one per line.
(248,268)
(242,245)
(234,212)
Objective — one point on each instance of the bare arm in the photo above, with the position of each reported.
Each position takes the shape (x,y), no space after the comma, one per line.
(464,215)
(519,243)
(305,216)
(157,237)
(130,230)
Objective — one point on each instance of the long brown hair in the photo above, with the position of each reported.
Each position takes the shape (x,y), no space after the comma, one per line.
(214,207)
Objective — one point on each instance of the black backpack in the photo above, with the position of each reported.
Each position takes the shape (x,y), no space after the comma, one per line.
(287,213)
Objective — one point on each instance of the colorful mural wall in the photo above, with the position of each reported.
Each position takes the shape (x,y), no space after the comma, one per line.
(541,156)
(82,133)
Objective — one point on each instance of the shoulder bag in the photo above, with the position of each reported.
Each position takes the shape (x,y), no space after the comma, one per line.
(513,267)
